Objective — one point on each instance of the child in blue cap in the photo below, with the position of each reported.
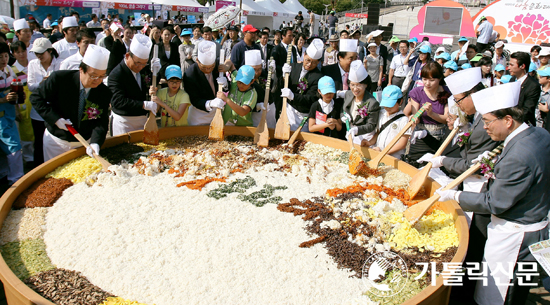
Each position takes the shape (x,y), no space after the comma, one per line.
(499,73)
(449,68)
(390,122)
(173,100)
(324,116)
(241,99)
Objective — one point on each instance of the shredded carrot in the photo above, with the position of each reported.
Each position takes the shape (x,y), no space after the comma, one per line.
(172,171)
(198,184)
(350,189)
(237,170)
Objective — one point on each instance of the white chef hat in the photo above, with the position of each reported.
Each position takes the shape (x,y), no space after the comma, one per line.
(20,24)
(357,71)
(348,45)
(315,49)
(496,98)
(141,46)
(462,81)
(116,26)
(252,58)
(96,57)
(207,52)
(69,22)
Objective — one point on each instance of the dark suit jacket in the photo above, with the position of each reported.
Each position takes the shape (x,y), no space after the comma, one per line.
(279,55)
(197,86)
(176,40)
(333,71)
(109,41)
(303,101)
(529,99)
(118,50)
(164,60)
(57,97)
(127,96)
(364,125)
(269,50)
(384,54)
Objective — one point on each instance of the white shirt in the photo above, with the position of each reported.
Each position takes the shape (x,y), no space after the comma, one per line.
(72,62)
(499,60)
(387,135)
(65,48)
(522,79)
(92,24)
(397,64)
(30,55)
(485,32)
(35,75)
(514,133)
(99,36)
(47,23)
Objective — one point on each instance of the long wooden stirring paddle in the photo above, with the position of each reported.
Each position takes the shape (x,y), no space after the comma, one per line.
(418,180)
(261,137)
(217,124)
(374,162)
(415,212)
(151,130)
(282,129)
(297,132)
(104,163)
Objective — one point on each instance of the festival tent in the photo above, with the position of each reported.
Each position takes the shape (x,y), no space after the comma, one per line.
(187,6)
(280,12)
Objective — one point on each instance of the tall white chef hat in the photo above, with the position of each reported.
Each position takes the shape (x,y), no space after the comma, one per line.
(315,49)
(141,46)
(357,71)
(207,52)
(462,81)
(252,58)
(96,57)
(69,22)
(348,45)
(496,98)
(20,24)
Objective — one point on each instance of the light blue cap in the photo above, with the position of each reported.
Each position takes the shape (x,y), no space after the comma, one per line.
(532,67)
(245,74)
(414,39)
(466,66)
(451,65)
(326,85)
(54,23)
(173,71)
(390,95)
(186,32)
(462,39)
(425,49)
(444,55)
(500,67)
(505,79)
(544,72)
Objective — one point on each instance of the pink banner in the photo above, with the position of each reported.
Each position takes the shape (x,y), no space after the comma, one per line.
(357,15)
(222,4)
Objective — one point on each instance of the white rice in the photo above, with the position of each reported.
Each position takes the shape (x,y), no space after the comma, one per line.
(23,224)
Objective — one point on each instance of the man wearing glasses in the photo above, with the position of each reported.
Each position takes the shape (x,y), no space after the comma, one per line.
(78,98)
(129,104)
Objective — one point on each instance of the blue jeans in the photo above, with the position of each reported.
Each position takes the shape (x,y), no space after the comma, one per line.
(331,31)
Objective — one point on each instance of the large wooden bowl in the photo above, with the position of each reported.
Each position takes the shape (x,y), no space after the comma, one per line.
(18,293)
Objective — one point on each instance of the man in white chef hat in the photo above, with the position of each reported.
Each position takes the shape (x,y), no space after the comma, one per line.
(129,103)
(24,34)
(253,58)
(340,71)
(200,81)
(78,98)
(517,197)
(302,86)
(67,46)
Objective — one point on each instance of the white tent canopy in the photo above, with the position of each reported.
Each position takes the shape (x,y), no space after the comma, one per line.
(276,7)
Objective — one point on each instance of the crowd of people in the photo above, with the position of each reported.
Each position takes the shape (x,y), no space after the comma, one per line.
(87,80)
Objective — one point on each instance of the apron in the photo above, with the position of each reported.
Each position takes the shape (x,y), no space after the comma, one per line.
(295,118)
(270,117)
(199,117)
(54,146)
(125,124)
(475,184)
(504,240)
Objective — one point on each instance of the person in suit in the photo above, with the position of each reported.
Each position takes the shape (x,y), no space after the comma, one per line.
(265,48)
(120,47)
(517,196)
(530,88)
(303,82)
(280,51)
(168,52)
(340,71)
(78,98)
(129,102)
(200,83)
(360,108)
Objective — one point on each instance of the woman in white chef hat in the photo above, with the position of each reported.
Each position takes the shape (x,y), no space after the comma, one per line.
(360,107)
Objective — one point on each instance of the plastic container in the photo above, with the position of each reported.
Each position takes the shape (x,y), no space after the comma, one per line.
(18,87)
(17,293)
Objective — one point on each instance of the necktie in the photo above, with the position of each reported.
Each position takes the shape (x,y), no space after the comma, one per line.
(138,80)
(81,103)
(211,81)
(345,81)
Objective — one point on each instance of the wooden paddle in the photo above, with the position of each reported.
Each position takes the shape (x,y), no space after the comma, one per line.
(217,124)
(418,180)
(282,129)
(374,162)
(415,212)
(151,130)
(104,163)
(261,137)
(297,132)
